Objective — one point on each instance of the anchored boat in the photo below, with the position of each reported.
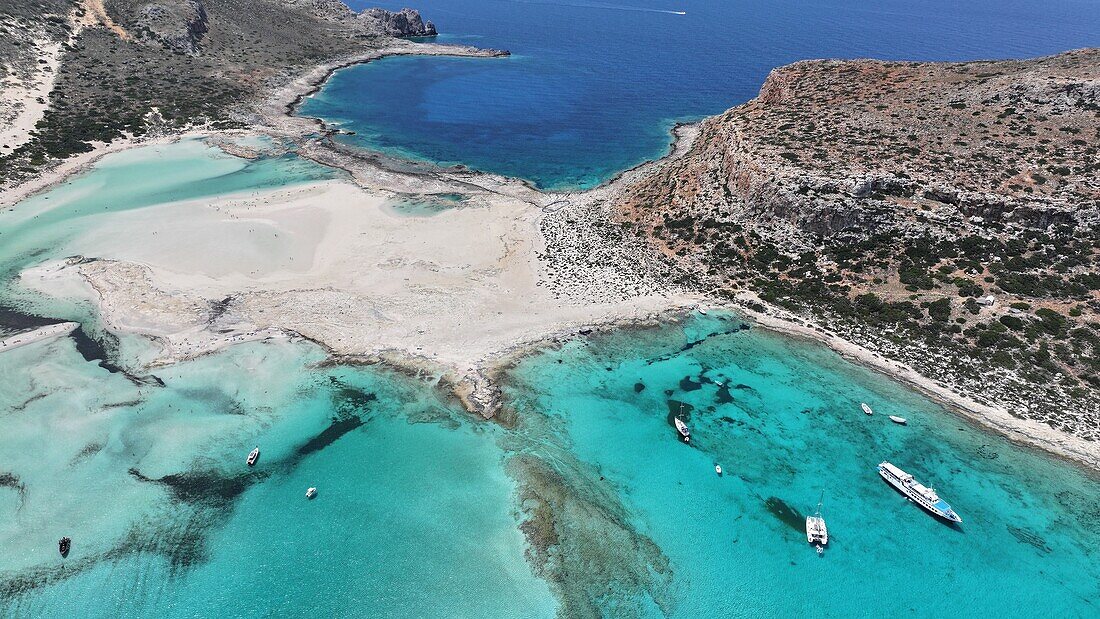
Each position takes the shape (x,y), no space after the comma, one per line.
(682,428)
(311,492)
(901,421)
(63,546)
(866,408)
(253,456)
(816,532)
(918,493)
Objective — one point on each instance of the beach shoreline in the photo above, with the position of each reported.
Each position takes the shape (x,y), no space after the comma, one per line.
(511,197)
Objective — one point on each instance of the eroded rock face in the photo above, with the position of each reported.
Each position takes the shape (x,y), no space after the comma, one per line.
(176,24)
(404,23)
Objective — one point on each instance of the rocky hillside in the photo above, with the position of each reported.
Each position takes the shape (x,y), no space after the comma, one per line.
(136,66)
(944,214)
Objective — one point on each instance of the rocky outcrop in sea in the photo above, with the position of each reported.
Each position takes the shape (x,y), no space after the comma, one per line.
(404,23)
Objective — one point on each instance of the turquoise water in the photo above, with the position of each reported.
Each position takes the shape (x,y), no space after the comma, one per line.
(41,228)
(593,87)
(787,427)
(413,515)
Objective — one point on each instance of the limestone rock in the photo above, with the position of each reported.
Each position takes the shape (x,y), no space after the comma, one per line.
(176,24)
(404,23)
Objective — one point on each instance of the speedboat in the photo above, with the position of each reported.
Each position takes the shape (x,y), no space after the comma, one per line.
(63,546)
(866,408)
(917,492)
(682,428)
(253,456)
(702,310)
(311,492)
(898,420)
(816,532)
(718,469)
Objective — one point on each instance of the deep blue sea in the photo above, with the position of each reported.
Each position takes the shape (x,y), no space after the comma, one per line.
(593,87)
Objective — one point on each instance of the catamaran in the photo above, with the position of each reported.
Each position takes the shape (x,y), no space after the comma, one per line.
(917,492)
(816,533)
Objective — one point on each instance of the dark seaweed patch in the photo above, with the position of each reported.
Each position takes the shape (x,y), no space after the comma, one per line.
(330,435)
(1029,538)
(581,540)
(95,351)
(639,387)
(743,387)
(348,403)
(15,320)
(987,452)
(11,480)
(679,409)
(22,406)
(723,395)
(183,542)
(89,450)
(203,487)
(686,384)
(785,513)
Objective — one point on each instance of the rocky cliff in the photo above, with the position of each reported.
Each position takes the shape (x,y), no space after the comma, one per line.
(944,213)
(404,23)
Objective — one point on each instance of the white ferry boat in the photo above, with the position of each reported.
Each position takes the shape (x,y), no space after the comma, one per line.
(253,456)
(918,493)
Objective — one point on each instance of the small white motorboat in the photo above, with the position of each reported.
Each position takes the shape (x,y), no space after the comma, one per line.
(253,456)
(866,408)
(682,428)
(702,310)
(718,469)
(312,492)
(901,421)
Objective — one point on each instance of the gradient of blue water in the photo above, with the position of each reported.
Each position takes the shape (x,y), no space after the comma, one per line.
(793,429)
(593,87)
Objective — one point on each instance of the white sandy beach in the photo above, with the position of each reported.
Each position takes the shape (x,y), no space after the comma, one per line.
(334,263)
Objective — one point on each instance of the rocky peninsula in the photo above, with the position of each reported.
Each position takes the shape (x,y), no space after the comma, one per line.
(943,215)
